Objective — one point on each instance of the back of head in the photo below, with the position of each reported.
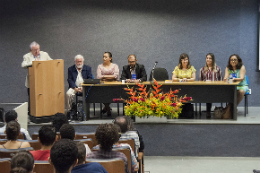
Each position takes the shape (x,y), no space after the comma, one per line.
(12,130)
(122,123)
(130,124)
(47,135)
(10,116)
(81,152)
(107,135)
(58,120)
(67,131)
(64,155)
(22,162)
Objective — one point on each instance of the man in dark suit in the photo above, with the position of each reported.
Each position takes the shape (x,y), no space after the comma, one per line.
(76,75)
(133,72)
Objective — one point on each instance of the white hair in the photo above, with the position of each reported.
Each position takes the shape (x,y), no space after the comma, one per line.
(34,43)
(78,57)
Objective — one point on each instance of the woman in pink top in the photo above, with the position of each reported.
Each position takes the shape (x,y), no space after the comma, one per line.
(107,71)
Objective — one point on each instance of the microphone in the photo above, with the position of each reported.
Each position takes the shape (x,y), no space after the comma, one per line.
(156,62)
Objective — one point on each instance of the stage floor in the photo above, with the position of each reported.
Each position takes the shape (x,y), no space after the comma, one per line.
(253,117)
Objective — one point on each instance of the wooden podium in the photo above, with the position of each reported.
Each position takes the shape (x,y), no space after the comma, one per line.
(46,88)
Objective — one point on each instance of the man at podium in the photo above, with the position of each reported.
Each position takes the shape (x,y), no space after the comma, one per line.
(76,75)
(34,55)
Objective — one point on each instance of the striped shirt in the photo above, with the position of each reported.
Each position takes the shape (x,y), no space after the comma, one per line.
(210,74)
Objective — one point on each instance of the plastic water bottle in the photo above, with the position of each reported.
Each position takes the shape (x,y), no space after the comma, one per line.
(230,79)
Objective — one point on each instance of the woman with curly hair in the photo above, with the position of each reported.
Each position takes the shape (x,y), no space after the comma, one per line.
(12,131)
(237,71)
(107,135)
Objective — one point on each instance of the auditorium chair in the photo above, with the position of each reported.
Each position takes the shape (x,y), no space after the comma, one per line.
(127,153)
(35,135)
(43,167)
(2,141)
(5,165)
(9,153)
(115,165)
(246,94)
(88,141)
(131,142)
(3,136)
(160,74)
(86,136)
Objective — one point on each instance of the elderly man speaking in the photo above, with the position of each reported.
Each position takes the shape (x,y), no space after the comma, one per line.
(76,75)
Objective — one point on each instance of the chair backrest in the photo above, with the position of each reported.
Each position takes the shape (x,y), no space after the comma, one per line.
(87,141)
(115,165)
(160,74)
(3,136)
(2,141)
(43,167)
(35,144)
(127,152)
(5,165)
(35,136)
(131,142)
(86,136)
(247,80)
(9,153)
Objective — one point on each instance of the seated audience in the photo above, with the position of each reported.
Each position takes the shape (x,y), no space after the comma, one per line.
(184,72)
(125,133)
(12,131)
(58,120)
(67,131)
(12,116)
(22,162)
(107,135)
(47,137)
(210,72)
(134,164)
(64,155)
(237,71)
(82,166)
(130,127)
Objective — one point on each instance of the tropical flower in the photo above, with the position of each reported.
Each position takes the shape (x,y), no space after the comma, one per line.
(142,103)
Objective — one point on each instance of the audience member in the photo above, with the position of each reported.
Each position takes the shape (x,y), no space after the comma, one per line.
(12,131)
(67,131)
(12,116)
(184,72)
(130,126)
(58,120)
(64,155)
(22,162)
(126,134)
(76,75)
(82,166)
(134,164)
(47,137)
(107,135)
(133,72)
(107,71)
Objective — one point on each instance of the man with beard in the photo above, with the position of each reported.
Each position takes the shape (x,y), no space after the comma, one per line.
(76,75)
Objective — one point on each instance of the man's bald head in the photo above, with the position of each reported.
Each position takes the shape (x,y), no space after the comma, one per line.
(122,123)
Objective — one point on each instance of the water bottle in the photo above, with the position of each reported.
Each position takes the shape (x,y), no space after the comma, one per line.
(230,79)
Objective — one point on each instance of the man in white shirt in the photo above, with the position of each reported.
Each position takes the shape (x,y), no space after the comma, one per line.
(12,116)
(76,75)
(34,55)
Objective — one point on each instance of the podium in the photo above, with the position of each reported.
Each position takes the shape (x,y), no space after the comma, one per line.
(46,80)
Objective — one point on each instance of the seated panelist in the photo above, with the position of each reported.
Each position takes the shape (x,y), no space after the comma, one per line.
(210,72)
(184,72)
(133,72)
(76,75)
(107,71)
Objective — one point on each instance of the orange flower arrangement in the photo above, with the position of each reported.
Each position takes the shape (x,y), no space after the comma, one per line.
(142,103)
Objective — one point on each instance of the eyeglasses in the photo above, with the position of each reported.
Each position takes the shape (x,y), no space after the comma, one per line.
(235,60)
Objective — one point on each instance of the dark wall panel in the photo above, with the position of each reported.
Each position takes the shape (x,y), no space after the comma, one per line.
(153,30)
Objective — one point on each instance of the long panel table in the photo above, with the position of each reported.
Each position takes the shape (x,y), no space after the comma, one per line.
(201,92)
